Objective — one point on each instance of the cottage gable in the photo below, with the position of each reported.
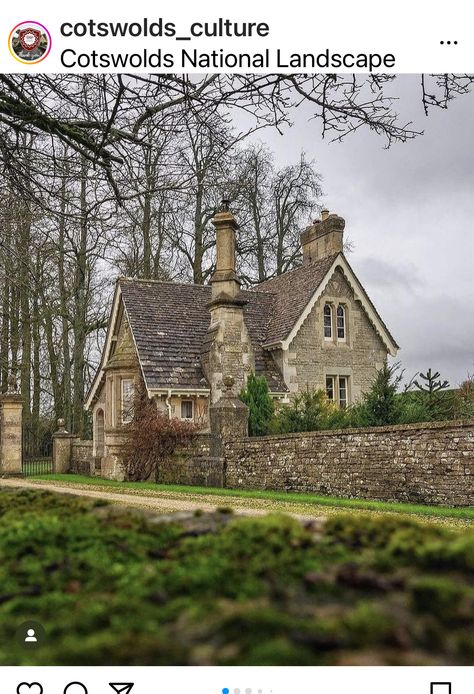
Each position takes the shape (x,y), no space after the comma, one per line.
(123,353)
(316,361)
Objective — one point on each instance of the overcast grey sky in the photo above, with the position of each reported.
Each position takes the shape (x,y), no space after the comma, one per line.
(409,211)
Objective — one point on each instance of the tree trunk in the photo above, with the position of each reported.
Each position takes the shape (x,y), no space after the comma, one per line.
(80,312)
(66,384)
(25,313)
(36,364)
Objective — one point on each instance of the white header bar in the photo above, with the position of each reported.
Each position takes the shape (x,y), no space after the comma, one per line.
(298,37)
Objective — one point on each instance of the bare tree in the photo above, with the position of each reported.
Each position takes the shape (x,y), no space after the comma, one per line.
(103,117)
(275,205)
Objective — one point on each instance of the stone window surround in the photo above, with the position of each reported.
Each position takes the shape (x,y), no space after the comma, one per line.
(336,373)
(334,341)
(113,397)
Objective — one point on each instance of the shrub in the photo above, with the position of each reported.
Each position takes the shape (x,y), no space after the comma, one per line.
(413,408)
(380,405)
(261,408)
(464,399)
(310,411)
(152,437)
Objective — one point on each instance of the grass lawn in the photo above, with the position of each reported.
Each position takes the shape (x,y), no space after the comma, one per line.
(119,587)
(298,499)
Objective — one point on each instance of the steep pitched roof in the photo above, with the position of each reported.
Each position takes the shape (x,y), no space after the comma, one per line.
(169,323)
(292,292)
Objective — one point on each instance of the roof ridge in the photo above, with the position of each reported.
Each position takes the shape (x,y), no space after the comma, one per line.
(328,258)
(172,282)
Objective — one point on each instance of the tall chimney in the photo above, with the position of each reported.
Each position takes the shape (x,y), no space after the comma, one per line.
(323,238)
(227,351)
(225,281)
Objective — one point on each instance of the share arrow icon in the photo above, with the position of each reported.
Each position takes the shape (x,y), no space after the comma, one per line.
(121,687)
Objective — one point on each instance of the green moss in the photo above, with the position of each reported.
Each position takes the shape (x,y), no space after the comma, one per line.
(116,586)
(445,597)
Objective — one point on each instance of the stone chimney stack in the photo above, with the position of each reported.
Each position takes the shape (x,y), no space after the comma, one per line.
(227,352)
(224,281)
(323,238)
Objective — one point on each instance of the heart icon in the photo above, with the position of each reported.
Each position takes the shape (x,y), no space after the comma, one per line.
(32,688)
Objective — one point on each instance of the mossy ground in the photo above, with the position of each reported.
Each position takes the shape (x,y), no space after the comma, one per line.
(113,586)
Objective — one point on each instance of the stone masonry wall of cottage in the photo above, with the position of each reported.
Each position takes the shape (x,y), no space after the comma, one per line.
(427,463)
(310,358)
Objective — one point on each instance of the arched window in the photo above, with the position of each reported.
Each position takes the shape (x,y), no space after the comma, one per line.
(127,396)
(99,433)
(341,322)
(327,322)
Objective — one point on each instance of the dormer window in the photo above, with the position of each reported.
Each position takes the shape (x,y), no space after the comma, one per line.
(341,323)
(328,322)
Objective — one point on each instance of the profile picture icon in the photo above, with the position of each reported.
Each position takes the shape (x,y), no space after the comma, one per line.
(29,42)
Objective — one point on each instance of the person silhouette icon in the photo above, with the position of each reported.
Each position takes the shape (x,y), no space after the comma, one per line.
(31,636)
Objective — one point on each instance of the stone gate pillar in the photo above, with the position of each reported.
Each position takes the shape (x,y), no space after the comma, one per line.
(11,410)
(62,449)
(228,418)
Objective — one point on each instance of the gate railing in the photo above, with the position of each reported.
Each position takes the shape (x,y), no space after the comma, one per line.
(37,453)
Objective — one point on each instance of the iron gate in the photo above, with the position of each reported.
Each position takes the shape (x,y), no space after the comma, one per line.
(37,453)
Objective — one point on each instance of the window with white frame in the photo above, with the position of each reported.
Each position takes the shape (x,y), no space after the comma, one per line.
(127,398)
(330,387)
(337,390)
(341,323)
(343,392)
(187,409)
(327,322)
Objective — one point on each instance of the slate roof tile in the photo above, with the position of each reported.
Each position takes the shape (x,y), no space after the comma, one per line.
(169,323)
(292,291)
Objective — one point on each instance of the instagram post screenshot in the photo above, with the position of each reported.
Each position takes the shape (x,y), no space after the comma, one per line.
(236,348)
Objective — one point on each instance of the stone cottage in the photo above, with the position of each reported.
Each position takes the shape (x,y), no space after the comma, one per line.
(313,326)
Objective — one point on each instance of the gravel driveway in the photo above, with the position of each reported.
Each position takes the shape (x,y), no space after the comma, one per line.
(167,502)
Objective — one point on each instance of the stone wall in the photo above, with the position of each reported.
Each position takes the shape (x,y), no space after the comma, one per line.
(200,471)
(193,466)
(419,463)
(82,462)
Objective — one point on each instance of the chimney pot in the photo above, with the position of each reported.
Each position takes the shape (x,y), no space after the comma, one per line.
(324,214)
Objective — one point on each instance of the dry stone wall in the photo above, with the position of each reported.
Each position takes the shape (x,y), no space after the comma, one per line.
(81,457)
(419,463)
